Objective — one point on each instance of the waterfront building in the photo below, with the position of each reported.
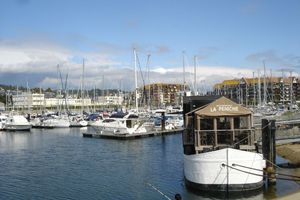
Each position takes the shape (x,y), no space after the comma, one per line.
(27,100)
(110,100)
(162,94)
(252,91)
(71,102)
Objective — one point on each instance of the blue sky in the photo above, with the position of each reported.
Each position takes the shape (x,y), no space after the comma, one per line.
(233,35)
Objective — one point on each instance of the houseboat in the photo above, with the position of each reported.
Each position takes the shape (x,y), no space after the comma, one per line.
(219,148)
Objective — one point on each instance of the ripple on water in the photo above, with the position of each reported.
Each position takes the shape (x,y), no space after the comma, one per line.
(61,164)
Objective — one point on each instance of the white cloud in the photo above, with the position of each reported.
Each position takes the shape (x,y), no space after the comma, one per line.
(101,70)
(162,70)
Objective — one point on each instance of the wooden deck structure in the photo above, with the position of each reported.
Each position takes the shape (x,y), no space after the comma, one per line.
(219,124)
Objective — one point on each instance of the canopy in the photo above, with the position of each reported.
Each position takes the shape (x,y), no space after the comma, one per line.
(223,107)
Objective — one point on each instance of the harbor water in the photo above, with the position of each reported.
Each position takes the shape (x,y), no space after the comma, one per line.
(61,164)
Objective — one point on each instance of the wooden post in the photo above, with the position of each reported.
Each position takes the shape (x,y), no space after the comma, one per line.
(232,128)
(273,140)
(268,147)
(163,121)
(215,131)
(198,130)
(250,135)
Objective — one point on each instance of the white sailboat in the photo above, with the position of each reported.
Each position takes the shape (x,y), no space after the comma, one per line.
(78,120)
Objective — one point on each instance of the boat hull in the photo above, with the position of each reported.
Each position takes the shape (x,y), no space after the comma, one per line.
(208,171)
(17,127)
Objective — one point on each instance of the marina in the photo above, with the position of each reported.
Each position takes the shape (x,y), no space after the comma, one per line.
(218,143)
(149,100)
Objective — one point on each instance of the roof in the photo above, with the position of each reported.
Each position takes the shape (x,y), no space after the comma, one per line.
(222,107)
(251,81)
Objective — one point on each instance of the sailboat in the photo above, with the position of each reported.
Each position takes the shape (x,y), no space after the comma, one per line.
(78,120)
(60,120)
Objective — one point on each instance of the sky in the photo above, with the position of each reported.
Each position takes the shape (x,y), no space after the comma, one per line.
(230,39)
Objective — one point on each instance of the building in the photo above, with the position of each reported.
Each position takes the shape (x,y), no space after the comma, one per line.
(162,94)
(70,102)
(110,100)
(255,91)
(27,100)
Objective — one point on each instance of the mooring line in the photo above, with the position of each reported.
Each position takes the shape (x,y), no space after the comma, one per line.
(157,190)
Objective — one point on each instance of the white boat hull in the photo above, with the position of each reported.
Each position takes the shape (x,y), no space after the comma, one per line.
(9,127)
(17,123)
(56,123)
(78,124)
(209,171)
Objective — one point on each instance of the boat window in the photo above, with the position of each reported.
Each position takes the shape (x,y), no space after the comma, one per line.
(225,137)
(108,120)
(223,123)
(243,122)
(207,124)
(132,116)
(236,122)
(129,123)
(240,122)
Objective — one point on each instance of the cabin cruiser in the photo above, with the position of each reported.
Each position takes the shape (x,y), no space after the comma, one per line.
(174,119)
(219,148)
(77,121)
(94,119)
(122,123)
(17,123)
(56,122)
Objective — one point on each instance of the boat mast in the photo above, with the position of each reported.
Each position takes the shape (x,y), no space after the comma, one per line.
(94,98)
(259,89)
(41,105)
(291,88)
(17,97)
(82,87)
(28,101)
(183,65)
(271,82)
(282,88)
(265,87)
(58,91)
(195,75)
(254,90)
(135,80)
(148,68)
